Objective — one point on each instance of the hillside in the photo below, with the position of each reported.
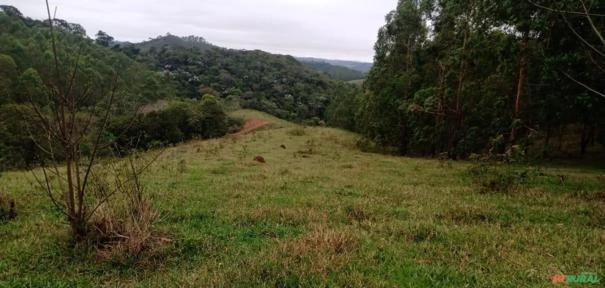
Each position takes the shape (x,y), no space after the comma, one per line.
(337,72)
(321,213)
(182,70)
(276,84)
(363,67)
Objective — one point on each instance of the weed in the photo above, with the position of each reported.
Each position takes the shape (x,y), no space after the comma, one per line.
(243,152)
(182,166)
(366,145)
(8,211)
(500,179)
(356,213)
(298,131)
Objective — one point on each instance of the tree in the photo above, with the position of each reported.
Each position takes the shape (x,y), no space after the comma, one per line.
(73,135)
(11,11)
(474,76)
(8,71)
(103,39)
(583,14)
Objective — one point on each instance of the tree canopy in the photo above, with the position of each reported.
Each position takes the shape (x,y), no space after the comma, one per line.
(473,76)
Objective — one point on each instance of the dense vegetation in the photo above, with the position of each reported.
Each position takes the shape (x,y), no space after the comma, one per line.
(337,72)
(276,84)
(468,76)
(168,67)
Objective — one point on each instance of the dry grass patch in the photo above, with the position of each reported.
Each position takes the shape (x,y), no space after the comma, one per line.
(288,215)
(8,211)
(467,215)
(317,254)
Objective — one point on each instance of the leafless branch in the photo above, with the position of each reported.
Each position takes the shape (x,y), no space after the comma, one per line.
(594,28)
(584,85)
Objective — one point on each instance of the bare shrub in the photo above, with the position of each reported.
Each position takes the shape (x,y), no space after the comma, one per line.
(319,253)
(298,131)
(123,228)
(73,122)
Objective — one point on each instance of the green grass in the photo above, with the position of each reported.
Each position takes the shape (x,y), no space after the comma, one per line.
(322,213)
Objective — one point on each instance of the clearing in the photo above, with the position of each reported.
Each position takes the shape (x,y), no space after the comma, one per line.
(321,213)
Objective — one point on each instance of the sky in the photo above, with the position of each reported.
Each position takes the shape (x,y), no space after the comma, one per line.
(334,29)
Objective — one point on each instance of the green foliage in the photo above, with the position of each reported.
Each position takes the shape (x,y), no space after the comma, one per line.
(17,147)
(8,209)
(26,69)
(103,39)
(490,178)
(298,131)
(337,72)
(343,108)
(487,71)
(174,124)
(275,84)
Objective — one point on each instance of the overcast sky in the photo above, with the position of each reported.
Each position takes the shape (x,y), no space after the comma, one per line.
(337,29)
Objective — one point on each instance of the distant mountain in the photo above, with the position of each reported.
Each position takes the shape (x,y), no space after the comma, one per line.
(363,67)
(337,72)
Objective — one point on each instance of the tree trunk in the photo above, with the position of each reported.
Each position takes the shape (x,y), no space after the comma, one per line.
(586,138)
(521,80)
(545,149)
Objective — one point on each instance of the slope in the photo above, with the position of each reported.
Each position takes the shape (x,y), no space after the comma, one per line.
(322,213)
(276,84)
(337,72)
(363,67)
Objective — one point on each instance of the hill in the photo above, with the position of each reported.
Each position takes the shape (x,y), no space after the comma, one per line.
(363,67)
(336,72)
(322,213)
(276,84)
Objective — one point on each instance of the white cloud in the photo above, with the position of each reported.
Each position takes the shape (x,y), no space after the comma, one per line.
(341,29)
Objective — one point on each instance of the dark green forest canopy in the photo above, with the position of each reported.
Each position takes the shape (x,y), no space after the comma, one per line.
(277,84)
(363,67)
(168,67)
(337,72)
(472,76)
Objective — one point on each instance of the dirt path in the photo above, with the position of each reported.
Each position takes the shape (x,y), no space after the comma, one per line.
(251,125)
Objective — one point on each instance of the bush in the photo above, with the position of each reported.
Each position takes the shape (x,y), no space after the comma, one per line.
(366,145)
(499,179)
(122,228)
(175,124)
(298,131)
(7,208)
(235,124)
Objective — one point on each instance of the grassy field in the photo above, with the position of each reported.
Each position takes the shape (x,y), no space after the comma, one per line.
(320,213)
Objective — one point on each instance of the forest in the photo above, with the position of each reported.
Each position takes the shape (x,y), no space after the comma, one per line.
(188,72)
(458,78)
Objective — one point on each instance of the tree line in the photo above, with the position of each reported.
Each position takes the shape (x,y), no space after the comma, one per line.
(459,77)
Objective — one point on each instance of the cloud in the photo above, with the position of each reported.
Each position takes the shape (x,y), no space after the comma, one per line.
(341,29)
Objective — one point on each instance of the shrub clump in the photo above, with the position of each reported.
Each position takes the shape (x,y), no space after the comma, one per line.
(298,131)
(123,228)
(7,208)
(499,179)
